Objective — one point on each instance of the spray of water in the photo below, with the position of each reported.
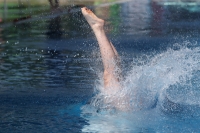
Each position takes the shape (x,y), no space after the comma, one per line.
(167,83)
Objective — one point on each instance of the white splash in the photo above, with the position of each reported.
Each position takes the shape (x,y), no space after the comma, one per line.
(168,84)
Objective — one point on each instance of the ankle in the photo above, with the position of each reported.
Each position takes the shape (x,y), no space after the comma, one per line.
(98,26)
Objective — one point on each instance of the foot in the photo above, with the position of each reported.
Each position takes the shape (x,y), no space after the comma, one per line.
(92,19)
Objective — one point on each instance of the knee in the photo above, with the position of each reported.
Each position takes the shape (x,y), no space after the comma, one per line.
(106,78)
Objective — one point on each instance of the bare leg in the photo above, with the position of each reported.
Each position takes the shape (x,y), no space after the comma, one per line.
(115,51)
(110,60)
(108,52)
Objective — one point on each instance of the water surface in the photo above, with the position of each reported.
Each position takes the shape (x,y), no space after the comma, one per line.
(50,68)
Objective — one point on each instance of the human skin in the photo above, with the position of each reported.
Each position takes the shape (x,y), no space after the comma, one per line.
(108,52)
(110,59)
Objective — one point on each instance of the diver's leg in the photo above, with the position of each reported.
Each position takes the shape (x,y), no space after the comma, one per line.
(107,50)
(115,51)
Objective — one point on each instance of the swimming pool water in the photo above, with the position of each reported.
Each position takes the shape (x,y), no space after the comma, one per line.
(49,69)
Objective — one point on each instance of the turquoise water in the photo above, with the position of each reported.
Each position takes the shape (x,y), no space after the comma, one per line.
(50,72)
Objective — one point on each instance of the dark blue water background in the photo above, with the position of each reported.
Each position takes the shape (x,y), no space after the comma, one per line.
(49,64)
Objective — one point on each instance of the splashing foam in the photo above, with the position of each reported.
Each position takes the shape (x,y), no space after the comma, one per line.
(167,83)
(170,76)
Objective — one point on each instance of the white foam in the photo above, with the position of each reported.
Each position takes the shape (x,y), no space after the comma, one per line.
(172,75)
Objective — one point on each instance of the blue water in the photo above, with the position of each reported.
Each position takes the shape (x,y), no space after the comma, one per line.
(51,71)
